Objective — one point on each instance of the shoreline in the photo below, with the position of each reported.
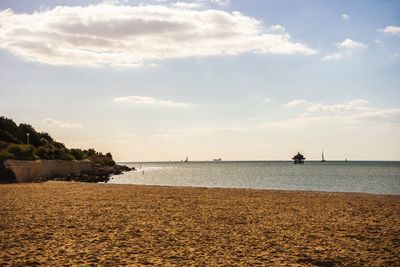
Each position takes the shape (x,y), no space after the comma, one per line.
(243,188)
(73,223)
(204,187)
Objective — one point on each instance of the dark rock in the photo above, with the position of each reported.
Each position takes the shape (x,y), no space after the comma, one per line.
(6,175)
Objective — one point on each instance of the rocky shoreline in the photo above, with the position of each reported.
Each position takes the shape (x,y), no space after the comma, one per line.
(92,171)
(100,174)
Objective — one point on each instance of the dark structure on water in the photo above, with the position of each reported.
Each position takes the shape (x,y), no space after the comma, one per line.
(323,159)
(299,158)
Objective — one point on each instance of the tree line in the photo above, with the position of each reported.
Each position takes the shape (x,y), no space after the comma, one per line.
(14,145)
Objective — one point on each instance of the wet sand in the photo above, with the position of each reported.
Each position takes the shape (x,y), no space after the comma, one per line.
(60,223)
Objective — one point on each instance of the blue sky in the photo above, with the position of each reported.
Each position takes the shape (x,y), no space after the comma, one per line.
(240,80)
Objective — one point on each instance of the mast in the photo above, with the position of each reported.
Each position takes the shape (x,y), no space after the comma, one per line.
(323,159)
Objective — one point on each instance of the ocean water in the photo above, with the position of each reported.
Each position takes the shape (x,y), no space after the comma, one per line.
(378,177)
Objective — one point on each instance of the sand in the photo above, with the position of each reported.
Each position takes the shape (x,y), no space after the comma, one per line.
(61,223)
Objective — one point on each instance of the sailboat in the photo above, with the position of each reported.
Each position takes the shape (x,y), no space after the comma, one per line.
(323,159)
(187,159)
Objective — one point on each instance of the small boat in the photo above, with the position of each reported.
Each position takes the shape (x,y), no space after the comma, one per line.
(323,159)
(217,160)
(187,159)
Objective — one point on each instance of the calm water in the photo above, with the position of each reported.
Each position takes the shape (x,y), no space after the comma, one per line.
(361,176)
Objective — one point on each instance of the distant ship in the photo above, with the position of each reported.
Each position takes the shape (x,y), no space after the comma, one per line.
(187,159)
(217,160)
(323,159)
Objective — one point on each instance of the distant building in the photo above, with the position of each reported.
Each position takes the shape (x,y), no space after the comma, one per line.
(298,159)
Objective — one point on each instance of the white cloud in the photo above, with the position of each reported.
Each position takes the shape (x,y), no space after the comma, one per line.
(296,103)
(295,123)
(199,131)
(132,36)
(277,28)
(185,5)
(379,114)
(345,17)
(345,49)
(125,136)
(266,100)
(391,29)
(57,123)
(353,112)
(358,102)
(333,56)
(147,100)
(219,2)
(354,105)
(350,44)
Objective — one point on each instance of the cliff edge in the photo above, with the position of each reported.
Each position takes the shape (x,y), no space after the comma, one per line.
(27,156)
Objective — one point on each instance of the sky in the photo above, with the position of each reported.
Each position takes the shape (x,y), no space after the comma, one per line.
(233,79)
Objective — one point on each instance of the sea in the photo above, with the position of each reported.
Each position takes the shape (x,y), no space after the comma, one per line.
(376,177)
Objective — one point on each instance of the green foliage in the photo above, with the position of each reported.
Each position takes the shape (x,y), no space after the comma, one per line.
(91,152)
(4,154)
(13,139)
(24,152)
(7,137)
(45,138)
(103,160)
(78,153)
(34,138)
(9,126)
(62,153)
(42,153)
(3,145)
(58,145)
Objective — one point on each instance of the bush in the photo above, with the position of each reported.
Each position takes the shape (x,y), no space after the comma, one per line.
(45,138)
(91,152)
(62,154)
(4,154)
(42,153)
(24,152)
(58,145)
(103,160)
(78,153)
(7,137)
(3,145)
(65,155)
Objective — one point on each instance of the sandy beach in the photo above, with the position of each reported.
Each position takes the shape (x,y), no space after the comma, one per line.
(62,223)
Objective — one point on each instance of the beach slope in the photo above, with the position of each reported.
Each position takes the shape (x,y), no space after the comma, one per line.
(66,223)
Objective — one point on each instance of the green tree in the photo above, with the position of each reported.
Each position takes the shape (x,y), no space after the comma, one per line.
(77,153)
(34,138)
(9,126)
(7,137)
